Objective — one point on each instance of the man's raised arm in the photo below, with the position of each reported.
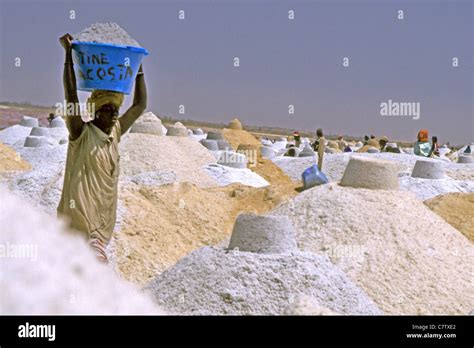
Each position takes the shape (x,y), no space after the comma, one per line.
(73,121)
(139,103)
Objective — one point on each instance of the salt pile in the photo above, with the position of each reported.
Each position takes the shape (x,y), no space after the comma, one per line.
(461,171)
(177,130)
(307,152)
(428,170)
(232,159)
(28,121)
(379,237)
(14,134)
(306,305)
(223,145)
(153,178)
(148,123)
(43,184)
(149,153)
(58,122)
(212,281)
(39,131)
(215,136)
(267,152)
(263,234)
(225,175)
(279,145)
(36,141)
(466,158)
(110,33)
(209,144)
(370,173)
(334,166)
(197,137)
(428,188)
(56,272)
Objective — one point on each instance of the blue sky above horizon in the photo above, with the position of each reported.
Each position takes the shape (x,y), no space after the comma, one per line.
(282,61)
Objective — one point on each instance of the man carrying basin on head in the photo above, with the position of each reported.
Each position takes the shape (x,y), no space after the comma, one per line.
(89,196)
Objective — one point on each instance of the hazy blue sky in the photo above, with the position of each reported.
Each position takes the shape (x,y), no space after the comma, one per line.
(282,62)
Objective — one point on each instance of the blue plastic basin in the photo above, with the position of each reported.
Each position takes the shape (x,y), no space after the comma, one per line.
(106,66)
(312,176)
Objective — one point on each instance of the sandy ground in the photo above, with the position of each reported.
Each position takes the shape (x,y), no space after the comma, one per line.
(10,160)
(457,209)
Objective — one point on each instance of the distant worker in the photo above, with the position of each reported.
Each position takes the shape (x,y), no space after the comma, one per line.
(297,137)
(291,152)
(89,195)
(319,146)
(341,143)
(372,143)
(434,147)
(382,143)
(422,146)
(51,117)
(385,147)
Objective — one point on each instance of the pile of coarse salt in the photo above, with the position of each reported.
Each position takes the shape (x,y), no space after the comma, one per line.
(110,33)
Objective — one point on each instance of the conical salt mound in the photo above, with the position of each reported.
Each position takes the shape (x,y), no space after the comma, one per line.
(263,234)
(428,170)
(370,173)
(235,124)
(148,123)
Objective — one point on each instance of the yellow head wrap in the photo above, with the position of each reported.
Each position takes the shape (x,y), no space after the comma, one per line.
(100,98)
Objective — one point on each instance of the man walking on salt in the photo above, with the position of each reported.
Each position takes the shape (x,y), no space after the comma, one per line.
(89,196)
